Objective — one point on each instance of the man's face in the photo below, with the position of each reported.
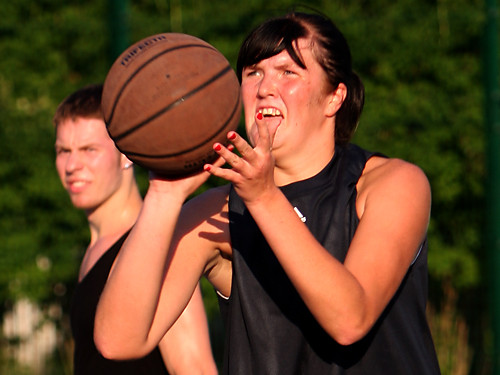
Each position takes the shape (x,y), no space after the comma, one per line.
(87,161)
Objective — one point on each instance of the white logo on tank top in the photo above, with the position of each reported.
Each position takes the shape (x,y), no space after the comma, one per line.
(299,214)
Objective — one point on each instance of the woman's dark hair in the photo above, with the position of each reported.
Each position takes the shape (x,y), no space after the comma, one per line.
(330,49)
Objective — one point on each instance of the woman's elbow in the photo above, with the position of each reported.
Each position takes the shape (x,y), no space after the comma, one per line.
(349,337)
(108,349)
(350,332)
(118,349)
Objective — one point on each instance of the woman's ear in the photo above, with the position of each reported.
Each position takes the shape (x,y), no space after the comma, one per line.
(335,100)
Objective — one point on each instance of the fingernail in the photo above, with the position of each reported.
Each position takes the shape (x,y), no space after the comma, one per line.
(207,168)
(259,116)
(232,135)
(217,147)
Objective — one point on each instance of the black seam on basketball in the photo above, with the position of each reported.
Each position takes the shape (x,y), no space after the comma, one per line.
(116,100)
(216,132)
(175,103)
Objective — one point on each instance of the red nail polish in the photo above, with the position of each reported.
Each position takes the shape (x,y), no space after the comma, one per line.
(207,168)
(217,147)
(259,116)
(232,135)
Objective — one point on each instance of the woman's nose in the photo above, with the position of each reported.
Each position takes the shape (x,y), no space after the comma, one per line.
(266,86)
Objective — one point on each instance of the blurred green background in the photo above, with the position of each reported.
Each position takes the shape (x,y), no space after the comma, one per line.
(421,63)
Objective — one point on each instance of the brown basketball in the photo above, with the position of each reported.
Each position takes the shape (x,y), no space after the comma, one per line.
(167,99)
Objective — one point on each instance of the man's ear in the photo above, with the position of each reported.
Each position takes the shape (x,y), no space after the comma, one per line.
(336,100)
(126,162)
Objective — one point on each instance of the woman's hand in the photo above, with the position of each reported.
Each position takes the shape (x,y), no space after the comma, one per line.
(252,171)
(183,186)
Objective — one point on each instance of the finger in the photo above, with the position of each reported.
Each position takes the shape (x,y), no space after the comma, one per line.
(243,147)
(230,157)
(225,173)
(219,162)
(265,138)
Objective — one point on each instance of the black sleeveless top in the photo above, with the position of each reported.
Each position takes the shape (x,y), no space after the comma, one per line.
(269,330)
(87,359)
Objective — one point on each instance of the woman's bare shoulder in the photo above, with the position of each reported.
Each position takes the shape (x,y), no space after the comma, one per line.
(209,203)
(391,177)
(204,220)
(380,170)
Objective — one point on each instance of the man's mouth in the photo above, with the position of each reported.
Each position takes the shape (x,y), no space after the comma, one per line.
(76,186)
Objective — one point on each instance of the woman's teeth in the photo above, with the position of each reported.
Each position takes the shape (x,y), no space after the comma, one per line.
(270,112)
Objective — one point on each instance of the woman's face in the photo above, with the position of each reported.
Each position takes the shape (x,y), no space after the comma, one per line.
(293,101)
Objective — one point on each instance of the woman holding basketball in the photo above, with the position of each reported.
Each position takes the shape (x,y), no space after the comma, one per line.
(317,247)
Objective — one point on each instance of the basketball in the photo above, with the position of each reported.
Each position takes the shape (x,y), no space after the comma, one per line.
(167,99)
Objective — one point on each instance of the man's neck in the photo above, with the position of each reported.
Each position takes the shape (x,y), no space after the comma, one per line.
(115,216)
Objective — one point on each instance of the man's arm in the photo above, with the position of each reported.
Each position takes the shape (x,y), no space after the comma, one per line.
(186,346)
